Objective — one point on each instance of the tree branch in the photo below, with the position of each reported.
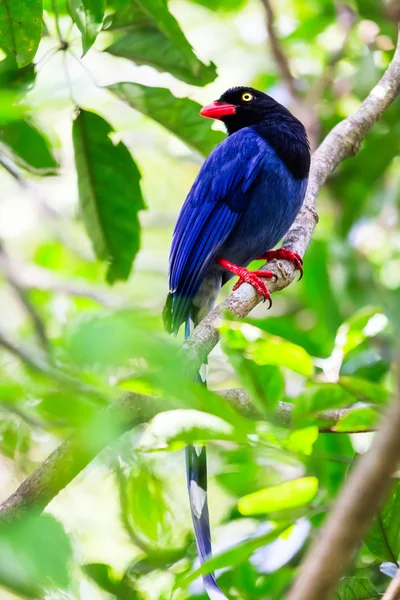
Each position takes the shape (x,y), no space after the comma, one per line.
(393,591)
(131,410)
(72,456)
(359,501)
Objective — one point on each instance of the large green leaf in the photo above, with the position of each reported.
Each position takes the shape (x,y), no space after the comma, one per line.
(29,147)
(356,588)
(34,553)
(88,16)
(155,39)
(109,194)
(383,539)
(20,27)
(178,115)
(265,349)
(285,496)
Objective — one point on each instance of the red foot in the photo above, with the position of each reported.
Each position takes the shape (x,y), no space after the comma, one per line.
(251,277)
(285,254)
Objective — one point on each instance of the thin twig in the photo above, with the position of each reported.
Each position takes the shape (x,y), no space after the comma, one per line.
(33,277)
(276,48)
(29,307)
(36,360)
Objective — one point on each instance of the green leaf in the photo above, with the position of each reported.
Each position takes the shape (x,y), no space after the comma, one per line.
(179,115)
(34,553)
(319,397)
(172,430)
(156,39)
(109,194)
(20,28)
(285,496)
(15,436)
(358,419)
(104,576)
(234,556)
(88,16)
(365,323)
(266,349)
(145,505)
(383,539)
(362,389)
(355,588)
(30,149)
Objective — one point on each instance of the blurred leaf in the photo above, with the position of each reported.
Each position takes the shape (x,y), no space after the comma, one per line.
(355,588)
(20,28)
(222,5)
(30,149)
(365,323)
(13,77)
(156,39)
(383,539)
(290,494)
(172,430)
(301,440)
(15,436)
(179,115)
(88,16)
(358,419)
(318,289)
(233,556)
(145,506)
(265,349)
(10,107)
(34,553)
(330,462)
(109,193)
(265,383)
(365,390)
(104,576)
(318,397)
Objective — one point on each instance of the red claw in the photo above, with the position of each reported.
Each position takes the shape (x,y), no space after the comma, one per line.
(285,254)
(251,277)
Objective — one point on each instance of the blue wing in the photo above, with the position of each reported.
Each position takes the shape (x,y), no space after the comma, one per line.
(213,207)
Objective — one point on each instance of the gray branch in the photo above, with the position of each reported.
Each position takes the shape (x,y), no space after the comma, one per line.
(131,410)
(71,457)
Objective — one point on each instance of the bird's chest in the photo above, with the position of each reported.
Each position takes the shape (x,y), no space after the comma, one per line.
(273,204)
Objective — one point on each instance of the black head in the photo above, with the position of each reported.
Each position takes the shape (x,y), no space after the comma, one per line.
(241,107)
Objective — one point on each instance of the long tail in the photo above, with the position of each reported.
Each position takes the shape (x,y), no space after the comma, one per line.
(196,469)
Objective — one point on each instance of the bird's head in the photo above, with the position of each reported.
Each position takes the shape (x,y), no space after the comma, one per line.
(242,107)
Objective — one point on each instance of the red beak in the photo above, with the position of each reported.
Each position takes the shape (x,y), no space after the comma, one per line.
(217,110)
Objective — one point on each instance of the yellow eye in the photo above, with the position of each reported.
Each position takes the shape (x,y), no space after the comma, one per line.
(247,97)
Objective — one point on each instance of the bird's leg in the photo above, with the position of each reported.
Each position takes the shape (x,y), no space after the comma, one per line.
(252,277)
(285,254)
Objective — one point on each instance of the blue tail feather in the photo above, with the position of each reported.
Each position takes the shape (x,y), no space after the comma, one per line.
(196,469)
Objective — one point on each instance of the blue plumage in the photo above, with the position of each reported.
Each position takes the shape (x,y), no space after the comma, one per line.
(245,198)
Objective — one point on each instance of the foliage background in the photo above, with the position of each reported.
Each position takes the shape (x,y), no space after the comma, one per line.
(70,207)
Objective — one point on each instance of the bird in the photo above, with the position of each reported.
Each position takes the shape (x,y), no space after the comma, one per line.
(244,199)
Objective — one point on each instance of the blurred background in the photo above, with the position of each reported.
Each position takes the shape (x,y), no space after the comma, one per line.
(123,526)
